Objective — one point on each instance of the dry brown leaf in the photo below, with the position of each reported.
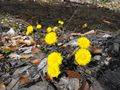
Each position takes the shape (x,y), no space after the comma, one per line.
(85,86)
(73,74)
(24,79)
(27,42)
(18,42)
(2,85)
(35,50)
(11,48)
(1,56)
(26,56)
(95,50)
(47,78)
(36,61)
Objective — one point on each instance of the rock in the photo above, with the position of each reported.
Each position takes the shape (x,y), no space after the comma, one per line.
(116,47)
(66,83)
(97,57)
(106,36)
(73,84)
(106,62)
(51,87)
(96,86)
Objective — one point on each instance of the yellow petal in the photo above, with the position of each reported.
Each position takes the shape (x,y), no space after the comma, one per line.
(83,42)
(30,28)
(82,57)
(53,71)
(55,28)
(60,22)
(54,59)
(49,29)
(39,26)
(51,38)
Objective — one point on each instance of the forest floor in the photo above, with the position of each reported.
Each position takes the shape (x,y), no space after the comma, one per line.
(18,67)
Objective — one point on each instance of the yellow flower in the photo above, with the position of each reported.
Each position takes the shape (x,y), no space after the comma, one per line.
(83,42)
(49,29)
(51,38)
(53,71)
(54,59)
(82,57)
(55,28)
(60,22)
(27,33)
(38,26)
(29,30)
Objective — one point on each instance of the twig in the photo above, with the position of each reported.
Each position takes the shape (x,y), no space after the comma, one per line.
(71,18)
(87,33)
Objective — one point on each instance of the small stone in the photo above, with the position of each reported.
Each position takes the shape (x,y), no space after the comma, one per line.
(106,36)
(108,58)
(73,84)
(59,44)
(88,71)
(106,62)
(71,38)
(97,57)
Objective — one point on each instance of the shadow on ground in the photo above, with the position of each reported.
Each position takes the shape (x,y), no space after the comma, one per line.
(95,17)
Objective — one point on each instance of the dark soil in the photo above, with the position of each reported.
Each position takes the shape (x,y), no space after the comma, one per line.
(95,17)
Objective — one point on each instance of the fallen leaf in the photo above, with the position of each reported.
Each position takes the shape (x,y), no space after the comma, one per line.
(73,74)
(27,42)
(35,50)
(47,78)
(95,50)
(36,61)
(11,48)
(1,56)
(24,79)
(2,85)
(84,86)
(26,56)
